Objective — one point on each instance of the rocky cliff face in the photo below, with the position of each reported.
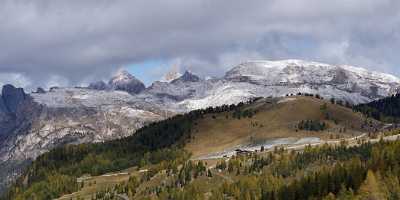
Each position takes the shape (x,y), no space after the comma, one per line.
(13,97)
(17,110)
(75,115)
(32,124)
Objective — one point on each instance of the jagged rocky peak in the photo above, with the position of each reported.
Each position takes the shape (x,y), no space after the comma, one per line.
(16,109)
(125,81)
(187,77)
(12,97)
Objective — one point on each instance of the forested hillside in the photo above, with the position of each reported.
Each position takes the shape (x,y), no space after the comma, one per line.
(368,171)
(387,109)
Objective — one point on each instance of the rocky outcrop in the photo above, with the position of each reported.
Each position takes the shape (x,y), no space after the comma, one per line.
(124,81)
(16,109)
(187,77)
(99,85)
(12,97)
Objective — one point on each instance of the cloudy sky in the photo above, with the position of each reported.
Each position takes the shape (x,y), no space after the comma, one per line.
(68,42)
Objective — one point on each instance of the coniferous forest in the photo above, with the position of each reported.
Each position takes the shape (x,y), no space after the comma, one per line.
(387,109)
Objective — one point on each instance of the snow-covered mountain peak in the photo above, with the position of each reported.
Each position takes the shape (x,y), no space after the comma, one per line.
(295,73)
(281,64)
(376,75)
(300,71)
(122,76)
(125,81)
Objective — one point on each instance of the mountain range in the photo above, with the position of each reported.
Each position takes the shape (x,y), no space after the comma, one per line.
(31,124)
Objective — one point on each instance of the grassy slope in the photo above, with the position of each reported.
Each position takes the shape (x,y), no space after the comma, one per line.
(278,120)
(275,120)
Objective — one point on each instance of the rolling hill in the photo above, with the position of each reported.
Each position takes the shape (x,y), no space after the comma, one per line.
(275,119)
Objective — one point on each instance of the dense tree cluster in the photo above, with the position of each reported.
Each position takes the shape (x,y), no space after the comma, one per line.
(387,109)
(246,113)
(362,172)
(312,125)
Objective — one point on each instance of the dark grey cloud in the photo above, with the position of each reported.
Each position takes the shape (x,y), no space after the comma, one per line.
(47,42)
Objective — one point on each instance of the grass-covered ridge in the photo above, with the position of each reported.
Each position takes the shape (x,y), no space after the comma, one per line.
(272,118)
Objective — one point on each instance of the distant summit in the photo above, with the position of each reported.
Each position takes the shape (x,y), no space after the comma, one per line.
(123,81)
(187,77)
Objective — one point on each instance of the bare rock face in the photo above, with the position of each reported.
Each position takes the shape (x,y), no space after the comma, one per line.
(12,97)
(124,81)
(16,109)
(32,124)
(3,107)
(7,121)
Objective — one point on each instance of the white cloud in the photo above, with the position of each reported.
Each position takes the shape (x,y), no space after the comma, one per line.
(15,79)
(76,39)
